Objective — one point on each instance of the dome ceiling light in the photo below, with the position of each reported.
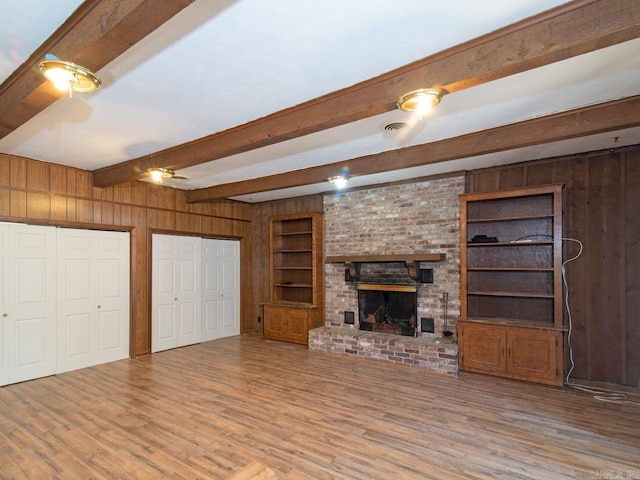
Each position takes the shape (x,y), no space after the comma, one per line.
(67,76)
(420,101)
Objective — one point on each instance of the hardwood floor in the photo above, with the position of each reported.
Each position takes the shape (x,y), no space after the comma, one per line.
(208,410)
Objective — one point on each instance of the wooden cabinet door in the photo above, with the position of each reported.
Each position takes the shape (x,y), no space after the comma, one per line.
(275,322)
(483,348)
(298,325)
(533,355)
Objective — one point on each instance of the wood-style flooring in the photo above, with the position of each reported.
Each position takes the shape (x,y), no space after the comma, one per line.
(206,411)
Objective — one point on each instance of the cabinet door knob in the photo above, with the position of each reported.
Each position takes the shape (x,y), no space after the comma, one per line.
(99,306)
(5,315)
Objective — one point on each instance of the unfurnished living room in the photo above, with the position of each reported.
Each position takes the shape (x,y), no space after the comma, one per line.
(243,239)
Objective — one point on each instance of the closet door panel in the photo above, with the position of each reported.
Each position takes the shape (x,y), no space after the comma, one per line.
(4,304)
(93,299)
(221,288)
(31,317)
(211,289)
(112,296)
(230,287)
(176,292)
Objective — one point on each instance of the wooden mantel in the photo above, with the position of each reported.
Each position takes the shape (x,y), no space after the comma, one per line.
(412,261)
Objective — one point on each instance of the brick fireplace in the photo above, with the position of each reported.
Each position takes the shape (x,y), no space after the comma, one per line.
(407,219)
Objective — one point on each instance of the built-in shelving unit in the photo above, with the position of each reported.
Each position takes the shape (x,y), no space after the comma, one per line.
(295,279)
(511,286)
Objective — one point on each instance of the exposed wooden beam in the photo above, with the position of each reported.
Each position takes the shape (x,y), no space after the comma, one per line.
(569,30)
(95,34)
(619,114)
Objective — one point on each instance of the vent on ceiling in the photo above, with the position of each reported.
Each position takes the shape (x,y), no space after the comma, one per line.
(395,126)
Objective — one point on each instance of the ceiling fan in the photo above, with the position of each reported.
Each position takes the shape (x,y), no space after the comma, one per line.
(159,174)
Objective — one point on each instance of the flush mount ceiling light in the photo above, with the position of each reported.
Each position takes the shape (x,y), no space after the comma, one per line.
(67,76)
(340,181)
(159,174)
(420,101)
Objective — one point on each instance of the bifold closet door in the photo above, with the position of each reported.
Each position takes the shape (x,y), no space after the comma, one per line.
(93,297)
(220,288)
(176,292)
(27,302)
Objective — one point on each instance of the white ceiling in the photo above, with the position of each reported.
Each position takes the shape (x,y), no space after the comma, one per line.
(220,64)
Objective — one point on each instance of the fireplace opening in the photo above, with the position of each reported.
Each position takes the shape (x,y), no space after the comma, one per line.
(388,308)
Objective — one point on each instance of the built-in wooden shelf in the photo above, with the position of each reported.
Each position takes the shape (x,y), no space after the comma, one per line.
(296,281)
(511,318)
(411,260)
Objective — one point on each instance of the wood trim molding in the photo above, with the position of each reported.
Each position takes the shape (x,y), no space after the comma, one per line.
(589,120)
(411,261)
(566,31)
(95,34)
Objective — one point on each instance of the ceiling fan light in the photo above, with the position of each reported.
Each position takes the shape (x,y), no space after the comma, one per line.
(158,174)
(340,181)
(420,101)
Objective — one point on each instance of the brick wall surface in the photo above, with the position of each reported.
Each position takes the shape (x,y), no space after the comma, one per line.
(398,219)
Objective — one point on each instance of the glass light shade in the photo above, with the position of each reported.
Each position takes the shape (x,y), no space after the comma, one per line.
(156,175)
(69,76)
(420,101)
(60,77)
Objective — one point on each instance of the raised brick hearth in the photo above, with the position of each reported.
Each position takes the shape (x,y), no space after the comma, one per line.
(421,352)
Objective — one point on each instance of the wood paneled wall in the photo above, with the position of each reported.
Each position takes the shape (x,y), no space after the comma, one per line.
(601,206)
(47,194)
(260,213)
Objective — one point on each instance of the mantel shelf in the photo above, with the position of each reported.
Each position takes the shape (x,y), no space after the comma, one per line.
(412,261)
(412,257)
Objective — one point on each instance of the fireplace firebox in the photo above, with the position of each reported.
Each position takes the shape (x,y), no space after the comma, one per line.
(388,308)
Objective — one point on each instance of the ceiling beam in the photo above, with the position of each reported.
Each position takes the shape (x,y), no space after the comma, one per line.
(572,29)
(96,33)
(589,120)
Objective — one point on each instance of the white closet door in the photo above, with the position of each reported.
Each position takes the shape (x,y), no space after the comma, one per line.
(176,292)
(4,304)
(93,297)
(28,310)
(220,288)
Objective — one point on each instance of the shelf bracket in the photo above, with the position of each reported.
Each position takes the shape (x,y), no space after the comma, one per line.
(414,270)
(354,270)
